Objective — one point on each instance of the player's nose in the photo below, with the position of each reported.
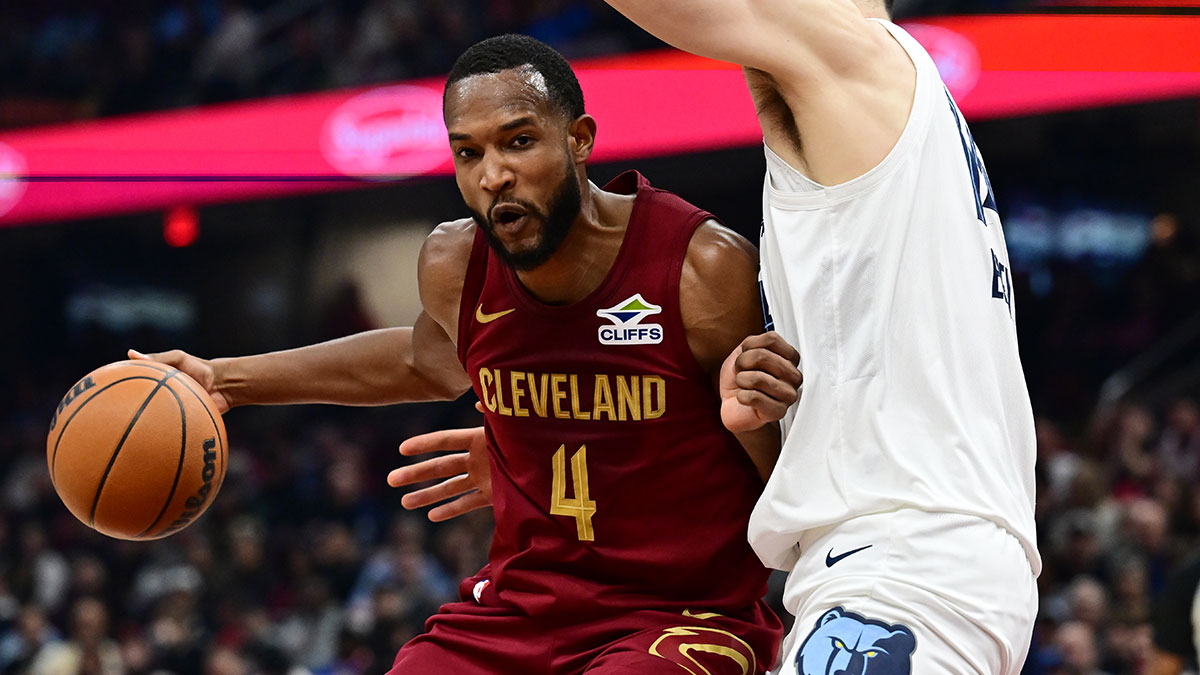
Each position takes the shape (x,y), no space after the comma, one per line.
(496,177)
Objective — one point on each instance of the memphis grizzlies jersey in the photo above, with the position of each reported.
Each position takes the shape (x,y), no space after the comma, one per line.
(895,288)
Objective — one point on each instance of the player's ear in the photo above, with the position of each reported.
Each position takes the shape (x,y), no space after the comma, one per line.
(581,137)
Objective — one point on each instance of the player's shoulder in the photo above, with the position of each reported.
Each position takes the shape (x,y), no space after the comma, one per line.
(449,242)
(720,275)
(442,267)
(718,293)
(716,250)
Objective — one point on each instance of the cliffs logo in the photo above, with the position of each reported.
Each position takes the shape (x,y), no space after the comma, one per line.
(386,133)
(627,328)
(12,168)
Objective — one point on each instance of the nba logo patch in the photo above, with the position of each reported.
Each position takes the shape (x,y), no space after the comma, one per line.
(627,327)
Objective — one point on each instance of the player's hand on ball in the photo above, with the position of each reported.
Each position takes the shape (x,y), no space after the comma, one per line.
(760,380)
(468,475)
(196,368)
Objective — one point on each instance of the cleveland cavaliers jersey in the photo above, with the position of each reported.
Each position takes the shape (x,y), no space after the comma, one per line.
(895,289)
(614,484)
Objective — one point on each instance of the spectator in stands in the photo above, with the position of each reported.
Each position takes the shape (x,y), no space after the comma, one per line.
(89,650)
(21,646)
(1076,643)
(1179,446)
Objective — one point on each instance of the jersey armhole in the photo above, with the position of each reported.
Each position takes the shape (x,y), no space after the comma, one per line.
(472,288)
(675,288)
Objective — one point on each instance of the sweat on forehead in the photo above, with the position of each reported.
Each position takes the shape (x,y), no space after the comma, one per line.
(523,86)
(536,66)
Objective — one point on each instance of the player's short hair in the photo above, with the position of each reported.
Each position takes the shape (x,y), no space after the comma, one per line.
(505,52)
(888,4)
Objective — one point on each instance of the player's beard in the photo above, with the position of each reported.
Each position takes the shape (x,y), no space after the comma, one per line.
(556,224)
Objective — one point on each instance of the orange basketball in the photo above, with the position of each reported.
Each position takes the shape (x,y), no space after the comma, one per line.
(137,450)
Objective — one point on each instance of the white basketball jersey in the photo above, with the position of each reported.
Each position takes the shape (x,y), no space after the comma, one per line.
(895,289)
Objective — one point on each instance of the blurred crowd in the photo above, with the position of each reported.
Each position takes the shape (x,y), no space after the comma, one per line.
(1118,509)
(72,59)
(76,59)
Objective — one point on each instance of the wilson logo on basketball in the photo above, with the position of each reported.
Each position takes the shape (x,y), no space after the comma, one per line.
(385,133)
(82,386)
(12,169)
(195,503)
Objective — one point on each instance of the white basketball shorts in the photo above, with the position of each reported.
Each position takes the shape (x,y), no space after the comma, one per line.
(909,592)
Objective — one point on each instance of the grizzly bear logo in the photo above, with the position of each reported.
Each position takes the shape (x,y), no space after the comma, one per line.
(845,643)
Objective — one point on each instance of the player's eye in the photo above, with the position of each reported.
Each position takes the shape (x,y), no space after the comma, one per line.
(522,141)
(465,153)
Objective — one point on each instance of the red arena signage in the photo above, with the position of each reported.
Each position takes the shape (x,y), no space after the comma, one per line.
(652,104)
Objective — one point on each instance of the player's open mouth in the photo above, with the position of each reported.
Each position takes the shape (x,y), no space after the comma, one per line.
(509,217)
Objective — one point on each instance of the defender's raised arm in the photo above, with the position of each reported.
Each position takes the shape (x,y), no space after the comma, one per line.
(832,88)
(789,39)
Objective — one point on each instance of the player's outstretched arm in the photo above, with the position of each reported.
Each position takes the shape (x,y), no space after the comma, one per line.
(719,300)
(792,39)
(833,90)
(465,476)
(380,367)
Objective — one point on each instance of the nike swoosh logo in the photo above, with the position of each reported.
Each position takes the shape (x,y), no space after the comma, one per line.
(488,318)
(831,559)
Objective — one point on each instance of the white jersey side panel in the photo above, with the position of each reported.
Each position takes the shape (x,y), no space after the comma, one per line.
(895,289)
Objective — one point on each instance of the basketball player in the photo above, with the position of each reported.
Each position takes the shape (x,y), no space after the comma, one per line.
(902,503)
(592,324)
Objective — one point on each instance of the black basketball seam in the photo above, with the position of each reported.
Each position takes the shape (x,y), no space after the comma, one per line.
(179,469)
(112,460)
(216,430)
(54,456)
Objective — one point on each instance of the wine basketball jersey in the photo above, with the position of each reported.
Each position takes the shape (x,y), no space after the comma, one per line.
(615,486)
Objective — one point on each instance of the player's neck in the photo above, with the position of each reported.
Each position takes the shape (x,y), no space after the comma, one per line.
(587,254)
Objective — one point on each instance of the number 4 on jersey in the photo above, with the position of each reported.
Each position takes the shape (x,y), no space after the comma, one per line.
(580,507)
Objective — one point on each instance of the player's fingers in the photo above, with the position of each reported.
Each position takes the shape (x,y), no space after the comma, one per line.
(774,388)
(771,363)
(173,358)
(430,469)
(479,406)
(465,504)
(767,408)
(773,342)
(448,439)
(437,493)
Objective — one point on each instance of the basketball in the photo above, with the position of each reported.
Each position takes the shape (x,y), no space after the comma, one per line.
(136,450)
